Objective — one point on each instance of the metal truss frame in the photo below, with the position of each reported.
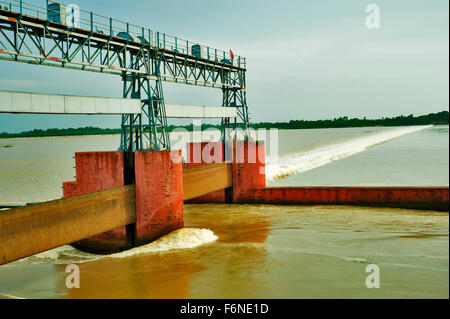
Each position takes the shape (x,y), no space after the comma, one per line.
(237,98)
(148,130)
(142,66)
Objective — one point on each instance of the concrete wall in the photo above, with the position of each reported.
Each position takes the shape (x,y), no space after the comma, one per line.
(249,170)
(249,187)
(199,154)
(159,194)
(95,171)
(98,171)
(427,198)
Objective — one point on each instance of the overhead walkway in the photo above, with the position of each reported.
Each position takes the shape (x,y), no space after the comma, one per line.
(38,103)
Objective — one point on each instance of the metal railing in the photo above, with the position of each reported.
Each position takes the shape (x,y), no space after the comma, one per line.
(97,23)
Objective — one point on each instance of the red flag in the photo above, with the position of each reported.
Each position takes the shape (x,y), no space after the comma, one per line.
(232,55)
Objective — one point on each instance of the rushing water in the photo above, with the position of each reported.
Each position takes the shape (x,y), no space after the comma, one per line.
(420,158)
(294,163)
(257,251)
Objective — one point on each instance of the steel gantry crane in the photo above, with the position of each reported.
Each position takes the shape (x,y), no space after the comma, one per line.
(50,33)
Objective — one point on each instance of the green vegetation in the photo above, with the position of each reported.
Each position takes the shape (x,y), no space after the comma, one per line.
(62,132)
(441,118)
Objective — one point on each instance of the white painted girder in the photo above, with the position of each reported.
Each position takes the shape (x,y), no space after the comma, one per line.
(21,102)
(38,103)
(190,111)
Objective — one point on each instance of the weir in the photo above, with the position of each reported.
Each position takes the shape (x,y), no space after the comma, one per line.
(133,196)
(101,215)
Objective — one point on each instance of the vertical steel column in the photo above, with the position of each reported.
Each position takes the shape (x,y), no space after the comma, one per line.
(148,130)
(235,97)
(131,135)
(155,109)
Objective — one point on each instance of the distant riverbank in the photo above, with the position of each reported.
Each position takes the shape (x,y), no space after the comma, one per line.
(441,118)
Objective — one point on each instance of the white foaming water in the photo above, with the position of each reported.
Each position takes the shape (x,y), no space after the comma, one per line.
(180,239)
(297,163)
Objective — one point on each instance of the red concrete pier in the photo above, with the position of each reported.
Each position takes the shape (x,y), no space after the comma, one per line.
(159,194)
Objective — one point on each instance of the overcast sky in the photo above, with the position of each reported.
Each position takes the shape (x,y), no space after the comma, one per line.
(311,59)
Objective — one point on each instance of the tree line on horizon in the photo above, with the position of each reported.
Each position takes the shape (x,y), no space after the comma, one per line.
(441,118)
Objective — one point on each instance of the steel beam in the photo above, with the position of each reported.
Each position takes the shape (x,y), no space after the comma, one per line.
(37,228)
(22,102)
(205,179)
(47,43)
(191,111)
(38,103)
